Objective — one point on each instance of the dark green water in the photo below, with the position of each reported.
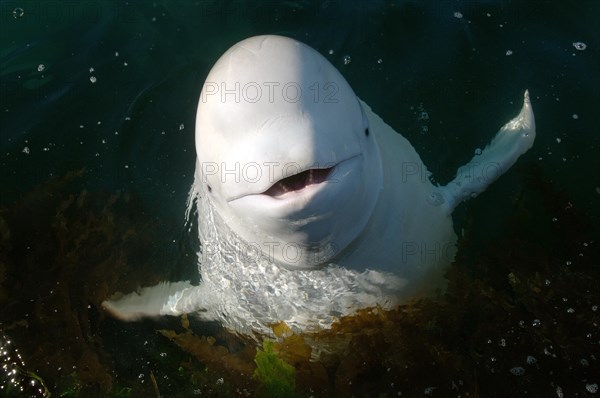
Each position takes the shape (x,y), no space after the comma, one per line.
(109,89)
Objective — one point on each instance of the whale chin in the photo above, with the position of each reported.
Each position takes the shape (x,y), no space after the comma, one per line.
(305,220)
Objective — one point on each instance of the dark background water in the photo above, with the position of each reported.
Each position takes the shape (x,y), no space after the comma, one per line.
(150,60)
(132,129)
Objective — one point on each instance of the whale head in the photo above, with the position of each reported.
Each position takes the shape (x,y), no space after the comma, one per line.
(285,153)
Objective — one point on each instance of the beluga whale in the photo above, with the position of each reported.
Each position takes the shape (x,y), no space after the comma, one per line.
(309,205)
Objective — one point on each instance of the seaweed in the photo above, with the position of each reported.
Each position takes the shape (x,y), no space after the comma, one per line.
(519,315)
(278,378)
(63,250)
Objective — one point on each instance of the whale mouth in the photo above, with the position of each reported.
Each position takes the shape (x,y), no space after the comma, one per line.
(298,182)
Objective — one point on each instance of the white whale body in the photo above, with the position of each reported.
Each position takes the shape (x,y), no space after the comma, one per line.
(309,205)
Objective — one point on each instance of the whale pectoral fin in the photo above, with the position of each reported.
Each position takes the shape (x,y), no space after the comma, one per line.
(513,140)
(162,299)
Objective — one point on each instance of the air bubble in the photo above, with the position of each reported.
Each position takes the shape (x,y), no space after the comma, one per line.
(435,199)
(536,323)
(41,67)
(531,360)
(592,388)
(458,14)
(18,13)
(509,52)
(579,45)
(517,371)
(93,79)
(478,151)
(347,59)
(181,127)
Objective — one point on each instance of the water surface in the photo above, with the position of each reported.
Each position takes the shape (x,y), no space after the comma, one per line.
(97,112)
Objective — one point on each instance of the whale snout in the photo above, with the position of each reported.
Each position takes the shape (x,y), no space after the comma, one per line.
(283,172)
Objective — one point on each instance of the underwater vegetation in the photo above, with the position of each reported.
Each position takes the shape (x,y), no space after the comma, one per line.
(520,315)
(277,376)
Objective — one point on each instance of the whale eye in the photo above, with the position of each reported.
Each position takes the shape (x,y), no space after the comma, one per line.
(209,188)
(367,131)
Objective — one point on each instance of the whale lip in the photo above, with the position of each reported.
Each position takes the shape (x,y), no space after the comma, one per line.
(299,181)
(310,179)
(307,180)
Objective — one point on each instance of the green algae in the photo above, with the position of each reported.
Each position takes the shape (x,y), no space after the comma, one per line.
(276,376)
(508,300)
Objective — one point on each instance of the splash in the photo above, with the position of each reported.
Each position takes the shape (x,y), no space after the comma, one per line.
(247,293)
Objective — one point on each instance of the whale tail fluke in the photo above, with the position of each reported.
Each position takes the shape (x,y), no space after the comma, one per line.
(513,140)
(162,299)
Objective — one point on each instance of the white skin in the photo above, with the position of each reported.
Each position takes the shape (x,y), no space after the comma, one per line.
(331,199)
(280,119)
